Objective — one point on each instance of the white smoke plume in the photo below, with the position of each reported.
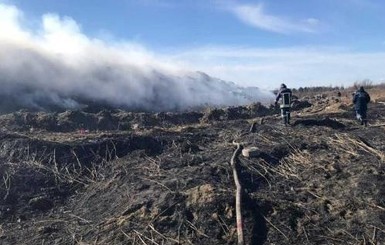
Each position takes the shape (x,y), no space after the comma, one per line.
(55,65)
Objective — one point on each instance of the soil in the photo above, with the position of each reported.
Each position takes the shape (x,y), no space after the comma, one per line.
(117,177)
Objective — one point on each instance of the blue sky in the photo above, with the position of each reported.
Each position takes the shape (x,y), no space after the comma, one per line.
(252,43)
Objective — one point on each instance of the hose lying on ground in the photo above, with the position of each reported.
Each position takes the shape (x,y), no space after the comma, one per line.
(238,193)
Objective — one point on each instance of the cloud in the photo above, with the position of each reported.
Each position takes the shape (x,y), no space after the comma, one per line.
(57,65)
(312,21)
(9,19)
(256,16)
(297,66)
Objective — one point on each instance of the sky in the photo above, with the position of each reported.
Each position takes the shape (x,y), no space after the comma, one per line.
(251,43)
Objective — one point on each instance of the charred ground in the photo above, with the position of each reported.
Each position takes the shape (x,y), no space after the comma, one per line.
(115,177)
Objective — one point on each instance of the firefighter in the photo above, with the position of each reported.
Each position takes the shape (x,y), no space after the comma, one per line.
(285,95)
(360,100)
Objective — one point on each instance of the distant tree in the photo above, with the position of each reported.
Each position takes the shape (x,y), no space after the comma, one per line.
(366,83)
(300,89)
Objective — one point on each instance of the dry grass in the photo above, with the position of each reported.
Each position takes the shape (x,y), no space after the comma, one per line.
(303,185)
(354,146)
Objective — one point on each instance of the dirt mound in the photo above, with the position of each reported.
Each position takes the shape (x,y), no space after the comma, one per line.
(300,104)
(70,121)
(169,181)
(327,122)
(107,120)
(48,172)
(238,112)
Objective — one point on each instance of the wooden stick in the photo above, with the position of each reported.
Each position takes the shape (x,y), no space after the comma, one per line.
(252,128)
(376,125)
(238,194)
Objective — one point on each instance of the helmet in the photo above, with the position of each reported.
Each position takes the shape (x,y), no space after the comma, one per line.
(283,85)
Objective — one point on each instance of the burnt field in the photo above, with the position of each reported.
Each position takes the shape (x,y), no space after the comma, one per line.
(116,177)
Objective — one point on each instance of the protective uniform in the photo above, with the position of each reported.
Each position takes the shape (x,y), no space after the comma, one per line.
(361,99)
(285,95)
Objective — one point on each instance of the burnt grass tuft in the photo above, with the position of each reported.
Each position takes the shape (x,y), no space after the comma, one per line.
(115,177)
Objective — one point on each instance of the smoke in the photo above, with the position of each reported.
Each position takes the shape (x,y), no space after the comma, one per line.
(54,65)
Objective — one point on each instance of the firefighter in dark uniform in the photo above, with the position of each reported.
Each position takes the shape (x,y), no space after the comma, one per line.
(361,99)
(285,95)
